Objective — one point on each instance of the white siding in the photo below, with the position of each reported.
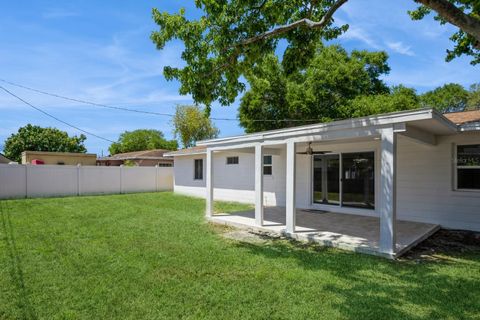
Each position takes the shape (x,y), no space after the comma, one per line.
(424,181)
(231,182)
(425,184)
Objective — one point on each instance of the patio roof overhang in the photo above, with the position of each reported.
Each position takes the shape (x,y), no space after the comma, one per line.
(422,125)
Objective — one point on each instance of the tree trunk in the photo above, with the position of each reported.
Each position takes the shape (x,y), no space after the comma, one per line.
(455,16)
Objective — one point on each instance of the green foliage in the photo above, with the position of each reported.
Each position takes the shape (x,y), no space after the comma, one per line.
(215,53)
(191,124)
(313,94)
(473,102)
(142,139)
(450,97)
(401,98)
(36,138)
(464,44)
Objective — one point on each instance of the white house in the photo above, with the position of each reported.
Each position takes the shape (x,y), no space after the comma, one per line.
(377,184)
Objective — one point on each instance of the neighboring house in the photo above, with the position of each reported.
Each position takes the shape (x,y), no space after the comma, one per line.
(146,158)
(389,180)
(59,158)
(3,159)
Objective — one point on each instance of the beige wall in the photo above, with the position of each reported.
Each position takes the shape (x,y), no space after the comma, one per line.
(85,159)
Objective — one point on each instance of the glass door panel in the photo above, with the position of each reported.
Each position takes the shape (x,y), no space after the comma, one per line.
(358,188)
(326,179)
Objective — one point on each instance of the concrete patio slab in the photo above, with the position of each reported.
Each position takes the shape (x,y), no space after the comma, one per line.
(344,231)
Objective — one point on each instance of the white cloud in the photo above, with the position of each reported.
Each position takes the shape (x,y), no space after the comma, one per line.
(400,48)
(58,13)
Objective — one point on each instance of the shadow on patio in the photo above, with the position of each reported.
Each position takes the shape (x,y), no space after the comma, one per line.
(345,231)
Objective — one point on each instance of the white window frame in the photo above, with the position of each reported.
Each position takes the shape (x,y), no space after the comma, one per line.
(232,157)
(455,168)
(345,209)
(195,170)
(267,165)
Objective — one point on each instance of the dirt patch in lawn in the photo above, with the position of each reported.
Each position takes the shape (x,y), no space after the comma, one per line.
(445,243)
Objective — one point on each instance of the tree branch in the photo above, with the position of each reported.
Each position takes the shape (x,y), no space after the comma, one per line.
(302,22)
(455,16)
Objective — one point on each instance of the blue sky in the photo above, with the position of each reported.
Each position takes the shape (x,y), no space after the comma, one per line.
(101,51)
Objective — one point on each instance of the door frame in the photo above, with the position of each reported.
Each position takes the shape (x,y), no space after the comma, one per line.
(340,208)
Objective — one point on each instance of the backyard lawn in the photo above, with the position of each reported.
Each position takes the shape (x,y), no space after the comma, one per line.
(153,256)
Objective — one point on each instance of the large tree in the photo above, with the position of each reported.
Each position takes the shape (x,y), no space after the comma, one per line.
(280,98)
(142,139)
(399,98)
(473,102)
(191,124)
(450,97)
(232,36)
(36,138)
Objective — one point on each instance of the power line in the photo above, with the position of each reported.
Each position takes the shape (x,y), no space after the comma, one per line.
(142,111)
(53,117)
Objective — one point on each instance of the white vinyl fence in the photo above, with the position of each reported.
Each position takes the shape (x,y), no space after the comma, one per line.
(31,181)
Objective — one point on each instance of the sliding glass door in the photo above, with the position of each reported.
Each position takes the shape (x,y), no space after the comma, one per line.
(358,180)
(346,179)
(326,182)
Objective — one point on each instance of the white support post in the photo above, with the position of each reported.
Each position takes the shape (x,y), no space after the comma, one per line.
(388,191)
(79,183)
(209,183)
(290,182)
(259,184)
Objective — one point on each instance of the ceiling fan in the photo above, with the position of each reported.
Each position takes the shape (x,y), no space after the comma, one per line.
(310,151)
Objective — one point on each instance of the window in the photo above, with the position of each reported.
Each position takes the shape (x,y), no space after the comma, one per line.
(232,160)
(198,169)
(162,164)
(267,165)
(468,167)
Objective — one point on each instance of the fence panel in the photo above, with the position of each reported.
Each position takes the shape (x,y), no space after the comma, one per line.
(138,179)
(13,181)
(51,180)
(18,181)
(99,180)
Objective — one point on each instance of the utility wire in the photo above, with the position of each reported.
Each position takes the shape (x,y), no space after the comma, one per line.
(53,117)
(142,111)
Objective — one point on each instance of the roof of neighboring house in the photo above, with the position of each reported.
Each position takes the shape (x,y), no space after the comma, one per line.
(460,118)
(3,159)
(70,154)
(187,151)
(156,154)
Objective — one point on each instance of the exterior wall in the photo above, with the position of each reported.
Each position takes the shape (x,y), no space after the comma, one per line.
(425,190)
(20,181)
(424,181)
(231,182)
(55,158)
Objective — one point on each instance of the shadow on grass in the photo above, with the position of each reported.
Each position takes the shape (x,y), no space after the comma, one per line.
(380,289)
(16,269)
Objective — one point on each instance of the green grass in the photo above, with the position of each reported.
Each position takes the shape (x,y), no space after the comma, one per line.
(153,256)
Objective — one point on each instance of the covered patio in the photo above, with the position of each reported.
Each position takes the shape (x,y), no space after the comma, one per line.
(373,229)
(345,231)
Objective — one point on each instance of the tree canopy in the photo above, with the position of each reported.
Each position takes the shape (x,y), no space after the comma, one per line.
(191,124)
(277,98)
(36,138)
(450,97)
(232,36)
(142,139)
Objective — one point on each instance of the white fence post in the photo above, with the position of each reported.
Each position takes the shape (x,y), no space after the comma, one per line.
(26,179)
(121,178)
(156,178)
(79,186)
